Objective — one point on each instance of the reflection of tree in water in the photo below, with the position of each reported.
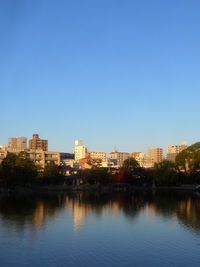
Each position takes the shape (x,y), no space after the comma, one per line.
(168,205)
(113,203)
(189,214)
(32,210)
(185,207)
(131,205)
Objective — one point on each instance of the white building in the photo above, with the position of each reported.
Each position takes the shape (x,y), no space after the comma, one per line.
(79,150)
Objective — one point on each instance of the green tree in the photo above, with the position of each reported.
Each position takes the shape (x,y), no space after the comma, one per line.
(130,164)
(129,171)
(97,176)
(165,173)
(52,174)
(189,159)
(18,170)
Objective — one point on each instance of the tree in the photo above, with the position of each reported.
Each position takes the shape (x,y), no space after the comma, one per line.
(129,171)
(96,176)
(52,174)
(189,159)
(166,173)
(18,170)
(130,164)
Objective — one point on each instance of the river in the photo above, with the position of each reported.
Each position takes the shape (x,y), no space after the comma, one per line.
(100,230)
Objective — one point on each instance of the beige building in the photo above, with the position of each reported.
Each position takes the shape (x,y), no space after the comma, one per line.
(39,157)
(155,154)
(174,150)
(139,157)
(17,144)
(118,157)
(38,144)
(42,158)
(79,150)
(143,160)
(97,155)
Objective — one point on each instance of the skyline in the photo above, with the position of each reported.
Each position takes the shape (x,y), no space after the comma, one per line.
(27,145)
(115,74)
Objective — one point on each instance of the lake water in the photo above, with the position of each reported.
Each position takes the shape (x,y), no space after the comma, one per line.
(141,229)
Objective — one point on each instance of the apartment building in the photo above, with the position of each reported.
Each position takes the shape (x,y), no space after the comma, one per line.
(97,155)
(79,150)
(17,144)
(38,144)
(42,158)
(139,157)
(118,157)
(155,154)
(174,150)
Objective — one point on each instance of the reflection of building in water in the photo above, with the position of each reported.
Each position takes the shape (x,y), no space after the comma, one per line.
(80,211)
(38,217)
(151,210)
(114,209)
(41,215)
(185,206)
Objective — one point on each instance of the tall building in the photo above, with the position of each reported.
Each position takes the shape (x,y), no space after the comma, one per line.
(118,157)
(17,144)
(174,150)
(79,150)
(155,154)
(38,144)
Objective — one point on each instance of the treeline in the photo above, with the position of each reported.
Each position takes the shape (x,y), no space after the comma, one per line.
(185,169)
(20,170)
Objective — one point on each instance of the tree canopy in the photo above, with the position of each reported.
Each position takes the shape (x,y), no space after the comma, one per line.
(17,169)
(189,159)
(130,164)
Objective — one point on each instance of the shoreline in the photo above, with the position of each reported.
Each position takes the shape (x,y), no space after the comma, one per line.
(93,188)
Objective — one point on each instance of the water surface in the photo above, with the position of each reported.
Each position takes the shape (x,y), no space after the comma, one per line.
(140,229)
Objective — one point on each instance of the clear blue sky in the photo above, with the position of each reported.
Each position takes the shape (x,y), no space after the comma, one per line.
(115,73)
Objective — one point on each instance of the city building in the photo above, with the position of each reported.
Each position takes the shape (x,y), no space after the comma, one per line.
(79,150)
(42,158)
(17,144)
(143,160)
(155,154)
(174,150)
(118,157)
(97,155)
(139,157)
(67,160)
(38,144)
(39,157)
(148,162)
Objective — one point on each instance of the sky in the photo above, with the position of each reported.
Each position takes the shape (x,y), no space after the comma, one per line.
(119,74)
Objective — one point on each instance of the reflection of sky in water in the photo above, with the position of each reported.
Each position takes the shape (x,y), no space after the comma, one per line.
(100,230)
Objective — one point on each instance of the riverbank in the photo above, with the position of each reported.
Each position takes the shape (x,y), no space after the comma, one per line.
(93,188)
